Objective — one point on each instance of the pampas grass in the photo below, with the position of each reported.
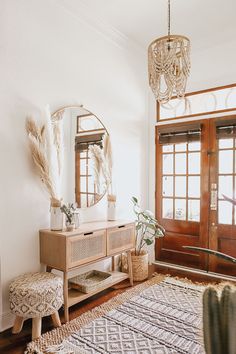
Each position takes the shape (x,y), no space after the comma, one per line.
(107,151)
(35,131)
(51,151)
(57,132)
(38,149)
(41,148)
(97,159)
(102,162)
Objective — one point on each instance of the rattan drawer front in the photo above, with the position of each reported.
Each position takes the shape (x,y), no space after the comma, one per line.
(86,248)
(120,239)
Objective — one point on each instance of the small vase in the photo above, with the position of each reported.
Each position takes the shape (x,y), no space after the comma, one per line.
(76,219)
(70,226)
(111,207)
(56,216)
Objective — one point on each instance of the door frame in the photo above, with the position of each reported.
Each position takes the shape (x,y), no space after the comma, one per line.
(204,221)
(208,237)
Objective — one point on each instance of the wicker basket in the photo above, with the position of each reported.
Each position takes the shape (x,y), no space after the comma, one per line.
(140,266)
(90,281)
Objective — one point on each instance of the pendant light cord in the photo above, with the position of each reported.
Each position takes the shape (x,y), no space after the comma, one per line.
(168,17)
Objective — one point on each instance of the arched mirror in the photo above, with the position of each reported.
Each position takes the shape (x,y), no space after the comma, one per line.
(80,129)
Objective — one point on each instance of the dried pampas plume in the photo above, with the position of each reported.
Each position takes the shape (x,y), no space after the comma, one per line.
(57,121)
(107,153)
(102,162)
(35,131)
(37,144)
(97,158)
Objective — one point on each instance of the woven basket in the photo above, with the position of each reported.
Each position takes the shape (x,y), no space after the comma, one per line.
(90,281)
(140,266)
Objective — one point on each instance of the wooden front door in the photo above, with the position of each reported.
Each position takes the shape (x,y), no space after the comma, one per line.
(191,177)
(222,231)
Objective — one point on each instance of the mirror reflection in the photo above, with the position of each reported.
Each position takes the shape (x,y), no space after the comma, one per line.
(81,131)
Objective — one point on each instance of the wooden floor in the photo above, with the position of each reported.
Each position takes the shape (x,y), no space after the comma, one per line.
(15,344)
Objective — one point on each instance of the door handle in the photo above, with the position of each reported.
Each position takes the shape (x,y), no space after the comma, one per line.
(213,205)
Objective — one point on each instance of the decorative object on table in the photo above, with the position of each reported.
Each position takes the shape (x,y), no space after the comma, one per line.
(169,65)
(147,230)
(69,211)
(111,207)
(35,295)
(56,216)
(45,151)
(76,218)
(161,315)
(90,281)
(219,320)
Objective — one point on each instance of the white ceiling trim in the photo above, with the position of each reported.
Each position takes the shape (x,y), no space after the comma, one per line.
(84,15)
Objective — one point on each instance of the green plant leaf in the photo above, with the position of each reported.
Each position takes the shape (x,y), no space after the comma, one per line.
(151,226)
(141,213)
(148,241)
(134,200)
(138,226)
(159,233)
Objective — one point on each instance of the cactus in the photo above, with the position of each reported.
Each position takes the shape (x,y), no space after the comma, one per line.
(219,321)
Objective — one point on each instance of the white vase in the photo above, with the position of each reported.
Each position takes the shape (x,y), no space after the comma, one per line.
(76,219)
(111,207)
(56,219)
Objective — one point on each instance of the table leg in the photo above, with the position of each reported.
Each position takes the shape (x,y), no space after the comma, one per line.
(130,268)
(18,324)
(56,319)
(49,269)
(113,263)
(36,327)
(65,291)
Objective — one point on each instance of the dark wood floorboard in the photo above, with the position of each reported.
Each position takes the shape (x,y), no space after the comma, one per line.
(16,343)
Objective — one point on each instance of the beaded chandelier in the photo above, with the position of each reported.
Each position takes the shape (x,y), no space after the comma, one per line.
(169,65)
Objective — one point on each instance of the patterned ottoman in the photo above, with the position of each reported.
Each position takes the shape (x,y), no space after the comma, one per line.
(35,295)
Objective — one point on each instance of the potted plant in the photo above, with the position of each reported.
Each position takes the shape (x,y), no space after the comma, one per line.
(69,211)
(147,230)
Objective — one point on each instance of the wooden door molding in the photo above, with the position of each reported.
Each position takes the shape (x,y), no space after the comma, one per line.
(222,237)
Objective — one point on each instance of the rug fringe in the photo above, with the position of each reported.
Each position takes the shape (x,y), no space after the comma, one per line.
(58,349)
(64,348)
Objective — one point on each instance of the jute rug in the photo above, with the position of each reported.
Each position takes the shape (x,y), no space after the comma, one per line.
(160,316)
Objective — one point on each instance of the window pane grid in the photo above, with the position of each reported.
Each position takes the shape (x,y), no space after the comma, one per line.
(226,180)
(181,164)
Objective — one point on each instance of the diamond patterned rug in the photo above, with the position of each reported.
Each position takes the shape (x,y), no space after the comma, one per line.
(164,318)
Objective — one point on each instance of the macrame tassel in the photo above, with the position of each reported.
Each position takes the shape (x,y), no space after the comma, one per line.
(59,349)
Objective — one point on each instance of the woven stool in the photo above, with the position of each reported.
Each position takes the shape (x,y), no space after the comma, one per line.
(35,295)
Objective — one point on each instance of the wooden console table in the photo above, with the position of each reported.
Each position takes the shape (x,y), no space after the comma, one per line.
(90,243)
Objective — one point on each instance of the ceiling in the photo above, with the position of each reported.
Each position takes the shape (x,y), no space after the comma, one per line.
(205,22)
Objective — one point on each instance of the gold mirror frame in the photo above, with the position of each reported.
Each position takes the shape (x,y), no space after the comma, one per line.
(59,115)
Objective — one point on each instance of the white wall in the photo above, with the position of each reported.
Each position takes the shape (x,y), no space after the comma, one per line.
(50,56)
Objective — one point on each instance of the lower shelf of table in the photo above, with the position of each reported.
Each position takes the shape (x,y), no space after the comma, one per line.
(75,296)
